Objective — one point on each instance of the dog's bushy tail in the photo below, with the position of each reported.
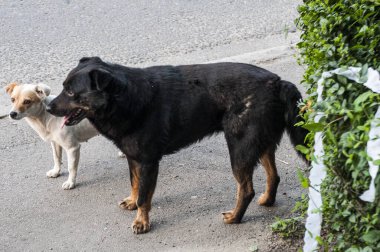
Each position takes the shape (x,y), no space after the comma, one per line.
(290,96)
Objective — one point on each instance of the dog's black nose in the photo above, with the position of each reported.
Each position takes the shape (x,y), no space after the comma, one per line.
(13,114)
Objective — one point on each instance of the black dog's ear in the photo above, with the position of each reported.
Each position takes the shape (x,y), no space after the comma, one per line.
(100,78)
(93,59)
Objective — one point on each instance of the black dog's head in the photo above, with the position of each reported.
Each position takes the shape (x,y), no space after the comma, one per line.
(82,95)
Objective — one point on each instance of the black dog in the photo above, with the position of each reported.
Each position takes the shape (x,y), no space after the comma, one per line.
(155,111)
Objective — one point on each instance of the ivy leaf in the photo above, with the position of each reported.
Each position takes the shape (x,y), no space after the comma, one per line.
(361,98)
(364,69)
(342,79)
(372,236)
(367,249)
(346,213)
(341,90)
(353,250)
(315,127)
(304,150)
(376,162)
(303,179)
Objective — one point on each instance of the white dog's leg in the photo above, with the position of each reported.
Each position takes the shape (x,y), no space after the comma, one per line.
(57,156)
(73,160)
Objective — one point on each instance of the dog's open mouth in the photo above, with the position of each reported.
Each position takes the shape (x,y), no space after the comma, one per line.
(74,117)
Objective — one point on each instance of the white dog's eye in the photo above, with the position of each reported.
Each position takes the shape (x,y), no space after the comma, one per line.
(27,102)
(12,100)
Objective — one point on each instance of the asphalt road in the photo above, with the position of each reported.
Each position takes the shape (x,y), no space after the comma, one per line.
(42,40)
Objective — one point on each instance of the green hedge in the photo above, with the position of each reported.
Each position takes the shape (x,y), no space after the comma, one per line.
(337,34)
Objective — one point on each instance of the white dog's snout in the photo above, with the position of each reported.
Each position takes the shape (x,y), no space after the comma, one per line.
(13,114)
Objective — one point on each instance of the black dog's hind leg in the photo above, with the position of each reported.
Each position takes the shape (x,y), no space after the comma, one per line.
(130,202)
(268,161)
(147,184)
(243,162)
(245,194)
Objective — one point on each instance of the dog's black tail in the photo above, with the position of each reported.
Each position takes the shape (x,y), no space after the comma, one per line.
(290,96)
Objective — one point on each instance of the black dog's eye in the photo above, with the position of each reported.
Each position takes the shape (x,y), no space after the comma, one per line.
(27,102)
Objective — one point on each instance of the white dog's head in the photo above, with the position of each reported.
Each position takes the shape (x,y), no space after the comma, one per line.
(27,99)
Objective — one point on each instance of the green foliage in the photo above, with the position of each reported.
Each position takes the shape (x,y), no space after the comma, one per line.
(347,220)
(293,227)
(288,228)
(338,33)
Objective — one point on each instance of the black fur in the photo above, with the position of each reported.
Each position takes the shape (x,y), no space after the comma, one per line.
(158,110)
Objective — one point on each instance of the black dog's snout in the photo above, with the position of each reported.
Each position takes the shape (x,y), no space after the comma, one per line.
(55,109)
(13,114)
(50,107)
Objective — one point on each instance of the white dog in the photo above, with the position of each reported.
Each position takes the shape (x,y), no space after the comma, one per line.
(29,101)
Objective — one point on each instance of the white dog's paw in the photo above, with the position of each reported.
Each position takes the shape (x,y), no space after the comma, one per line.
(68,185)
(121,154)
(53,173)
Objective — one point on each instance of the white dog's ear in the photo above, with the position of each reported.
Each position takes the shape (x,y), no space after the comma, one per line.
(43,90)
(9,88)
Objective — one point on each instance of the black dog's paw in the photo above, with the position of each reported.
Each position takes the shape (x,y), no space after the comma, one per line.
(128,204)
(230,218)
(140,227)
(266,200)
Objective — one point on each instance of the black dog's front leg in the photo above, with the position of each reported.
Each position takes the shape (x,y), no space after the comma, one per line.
(130,202)
(147,184)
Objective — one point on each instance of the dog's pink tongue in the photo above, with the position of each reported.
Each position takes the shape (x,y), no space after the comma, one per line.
(65,119)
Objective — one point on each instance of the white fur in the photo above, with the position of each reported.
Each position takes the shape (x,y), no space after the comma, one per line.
(49,129)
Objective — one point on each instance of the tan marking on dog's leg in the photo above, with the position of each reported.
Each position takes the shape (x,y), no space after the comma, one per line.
(147,184)
(141,223)
(129,203)
(269,196)
(57,156)
(244,195)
